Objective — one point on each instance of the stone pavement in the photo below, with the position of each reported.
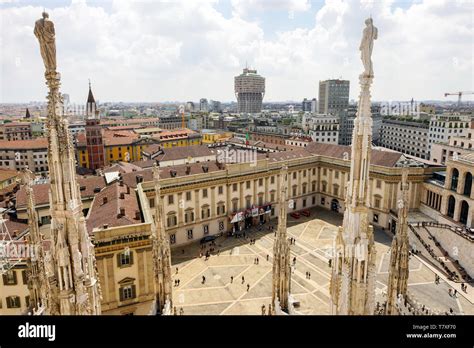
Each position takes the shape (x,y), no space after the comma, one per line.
(314,237)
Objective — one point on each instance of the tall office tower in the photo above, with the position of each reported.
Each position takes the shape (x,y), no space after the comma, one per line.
(249,89)
(333,96)
(314,105)
(203,105)
(94,139)
(306,105)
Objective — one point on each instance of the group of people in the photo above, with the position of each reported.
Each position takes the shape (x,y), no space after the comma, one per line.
(256,261)
(269,309)
(181,311)
(292,241)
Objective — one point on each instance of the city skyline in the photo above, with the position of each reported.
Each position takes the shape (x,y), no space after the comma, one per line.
(151,51)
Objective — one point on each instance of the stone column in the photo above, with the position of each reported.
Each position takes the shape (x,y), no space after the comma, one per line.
(213,202)
(197,206)
(180,212)
(457,209)
(461,180)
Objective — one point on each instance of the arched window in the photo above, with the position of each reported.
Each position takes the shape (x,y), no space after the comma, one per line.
(468,184)
(451,205)
(464,212)
(454,179)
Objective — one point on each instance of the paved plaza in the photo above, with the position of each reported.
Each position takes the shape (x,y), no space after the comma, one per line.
(236,257)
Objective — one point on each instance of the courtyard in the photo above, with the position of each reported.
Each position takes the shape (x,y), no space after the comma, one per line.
(251,286)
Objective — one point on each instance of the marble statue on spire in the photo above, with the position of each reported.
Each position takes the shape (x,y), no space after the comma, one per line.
(368,36)
(73,266)
(44,31)
(352,284)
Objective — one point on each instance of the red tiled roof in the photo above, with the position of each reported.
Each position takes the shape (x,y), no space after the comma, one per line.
(109,212)
(38,143)
(378,157)
(41,191)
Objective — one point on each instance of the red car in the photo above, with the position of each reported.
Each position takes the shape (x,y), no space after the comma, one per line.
(295,215)
(305,213)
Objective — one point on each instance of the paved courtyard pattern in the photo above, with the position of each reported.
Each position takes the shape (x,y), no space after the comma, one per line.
(251,285)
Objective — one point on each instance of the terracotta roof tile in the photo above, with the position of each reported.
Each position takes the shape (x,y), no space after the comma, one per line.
(38,143)
(41,191)
(108,205)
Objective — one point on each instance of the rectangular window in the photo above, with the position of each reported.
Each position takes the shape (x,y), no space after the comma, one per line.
(272,180)
(323,201)
(9,278)
(173,238)
(204,193)
(152,202)
(260,182)
(188,196)
(170,199)
(294,175)
(13,302)
(220,190)
(376,217)
(234,187)
(377,203)
(190,234)
(127,292)
(247,184)
(378,183)
(205,229)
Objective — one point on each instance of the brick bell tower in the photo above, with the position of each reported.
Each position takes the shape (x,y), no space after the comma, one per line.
(94,139)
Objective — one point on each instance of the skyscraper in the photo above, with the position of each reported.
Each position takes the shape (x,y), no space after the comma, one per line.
(203,105)
(249,89)
(333,96)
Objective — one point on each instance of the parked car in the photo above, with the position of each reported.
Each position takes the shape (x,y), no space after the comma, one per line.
(208,239)
(295,215)
(305,213)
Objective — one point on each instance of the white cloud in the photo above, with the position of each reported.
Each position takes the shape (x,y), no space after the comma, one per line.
(246,7)
(175,50)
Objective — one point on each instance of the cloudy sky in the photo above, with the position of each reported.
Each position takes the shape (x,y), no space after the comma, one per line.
(151,50)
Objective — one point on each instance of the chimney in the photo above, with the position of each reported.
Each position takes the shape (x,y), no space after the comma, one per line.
(138,215)
(104,200)
(105,226)
(205,169)
(139,179)
(188,170)
(121,182)
(122,195)
(128,190)
(122,213)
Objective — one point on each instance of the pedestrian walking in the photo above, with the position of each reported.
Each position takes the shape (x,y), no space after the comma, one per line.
(181,311)
(231,279)
(268,256)
(175,310)
(243,279)
(455,293)
(203,279)
(263,309)
(176,270)
(450,292)
(248,287)
(309,275)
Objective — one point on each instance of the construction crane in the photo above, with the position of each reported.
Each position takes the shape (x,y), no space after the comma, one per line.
(459,94)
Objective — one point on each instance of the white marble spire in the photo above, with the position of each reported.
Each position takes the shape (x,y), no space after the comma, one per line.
(353,274)
(73,260)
